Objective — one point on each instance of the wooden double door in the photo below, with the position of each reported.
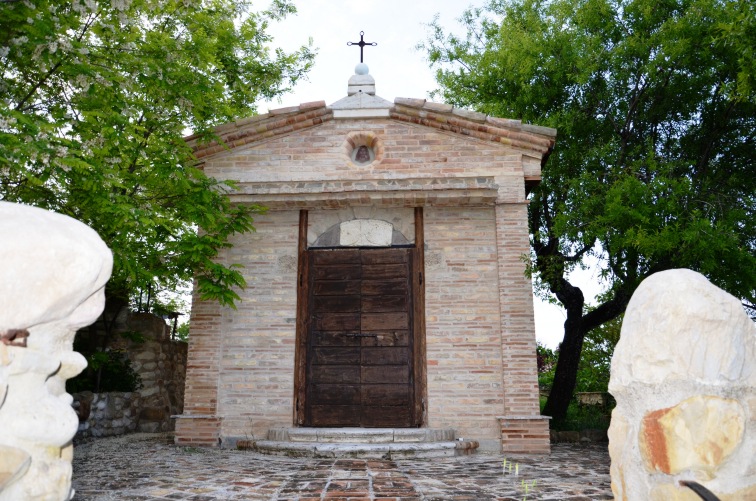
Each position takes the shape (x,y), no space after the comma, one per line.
(360,343)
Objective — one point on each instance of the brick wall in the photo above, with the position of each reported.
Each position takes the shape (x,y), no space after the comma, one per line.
(463,335)
(200,424)
(519,366)
(480,335)
(257,360)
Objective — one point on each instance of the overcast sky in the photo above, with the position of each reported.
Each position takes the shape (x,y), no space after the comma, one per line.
(399,70)
(396,26)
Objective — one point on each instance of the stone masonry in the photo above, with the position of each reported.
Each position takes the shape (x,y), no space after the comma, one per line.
(468,172)
(159,361)
(684,376)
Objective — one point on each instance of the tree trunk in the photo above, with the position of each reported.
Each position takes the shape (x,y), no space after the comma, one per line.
(569,351)
(565,376)
(575,328)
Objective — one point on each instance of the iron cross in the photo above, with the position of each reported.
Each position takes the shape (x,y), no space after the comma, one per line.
(362,43)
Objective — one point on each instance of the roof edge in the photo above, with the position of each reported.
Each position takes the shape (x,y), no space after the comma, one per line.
(474,116)
(440,116)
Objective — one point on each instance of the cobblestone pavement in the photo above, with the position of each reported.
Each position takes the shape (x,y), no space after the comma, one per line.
(150,467)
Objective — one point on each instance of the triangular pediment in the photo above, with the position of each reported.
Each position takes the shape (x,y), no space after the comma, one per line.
(445,117)
(415,152)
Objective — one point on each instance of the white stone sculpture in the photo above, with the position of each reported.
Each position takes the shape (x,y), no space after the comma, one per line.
(684,377)
(53,271)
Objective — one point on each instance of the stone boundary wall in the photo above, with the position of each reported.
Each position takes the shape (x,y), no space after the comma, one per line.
(160,362)
(109,414)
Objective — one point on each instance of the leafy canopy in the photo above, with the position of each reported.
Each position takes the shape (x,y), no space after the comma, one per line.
(653,168)
(655,155)
(95,98)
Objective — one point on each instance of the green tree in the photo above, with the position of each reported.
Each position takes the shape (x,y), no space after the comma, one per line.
(96,97)
(654,163)
(595,359)
(596,356)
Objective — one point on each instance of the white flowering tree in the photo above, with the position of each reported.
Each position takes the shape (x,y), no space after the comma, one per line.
(95,98)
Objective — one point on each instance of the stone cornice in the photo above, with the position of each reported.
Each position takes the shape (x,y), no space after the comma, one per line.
(473,124)
(259,127)
(458,191)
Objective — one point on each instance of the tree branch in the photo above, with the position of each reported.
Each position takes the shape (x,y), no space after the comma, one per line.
(607,311)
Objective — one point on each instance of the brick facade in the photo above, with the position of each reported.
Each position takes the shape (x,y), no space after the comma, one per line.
(469,172)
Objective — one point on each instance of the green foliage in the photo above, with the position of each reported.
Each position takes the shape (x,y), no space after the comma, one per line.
(97,96)
(547,359)
(656,118)
(133,336)
(739,36)
(654,160)
(596,358)
(583,417)
(106,371)
(182,332)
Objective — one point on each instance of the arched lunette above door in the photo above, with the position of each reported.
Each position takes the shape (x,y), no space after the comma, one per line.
(361,233)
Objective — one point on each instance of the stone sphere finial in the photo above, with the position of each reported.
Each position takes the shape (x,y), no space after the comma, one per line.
(361,69)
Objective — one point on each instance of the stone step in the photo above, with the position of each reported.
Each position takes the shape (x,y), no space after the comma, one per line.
(361,435)
(366,451)
(368,443)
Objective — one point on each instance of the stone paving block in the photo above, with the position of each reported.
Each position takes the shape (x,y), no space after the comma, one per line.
(116,468)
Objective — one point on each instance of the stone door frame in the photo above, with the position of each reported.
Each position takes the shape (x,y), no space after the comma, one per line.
(419,411)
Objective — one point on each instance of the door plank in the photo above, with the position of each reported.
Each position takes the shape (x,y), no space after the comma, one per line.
(394,337)
(337,272)
(383,256)
(336,338)
(342,256)
(336,304)
(384,356)
(335,394)
(337,321)
(385,417)
(384,271)
(391,286)
(384,321)
(385,374)
(385,395)
(349,374)
(335,415)
(336,355)
(378,304)
(336,287)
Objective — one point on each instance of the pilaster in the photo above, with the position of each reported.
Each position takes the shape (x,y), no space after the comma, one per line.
(523,429)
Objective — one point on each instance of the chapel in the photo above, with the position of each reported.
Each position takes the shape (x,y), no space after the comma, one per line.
(386,283)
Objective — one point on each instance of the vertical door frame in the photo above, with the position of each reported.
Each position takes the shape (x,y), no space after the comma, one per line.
(419,365)
(419,410)
(303,323)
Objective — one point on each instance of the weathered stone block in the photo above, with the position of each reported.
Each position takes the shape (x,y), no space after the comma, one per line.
(683,375)
(52,278)
(152,414)
(696,434)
